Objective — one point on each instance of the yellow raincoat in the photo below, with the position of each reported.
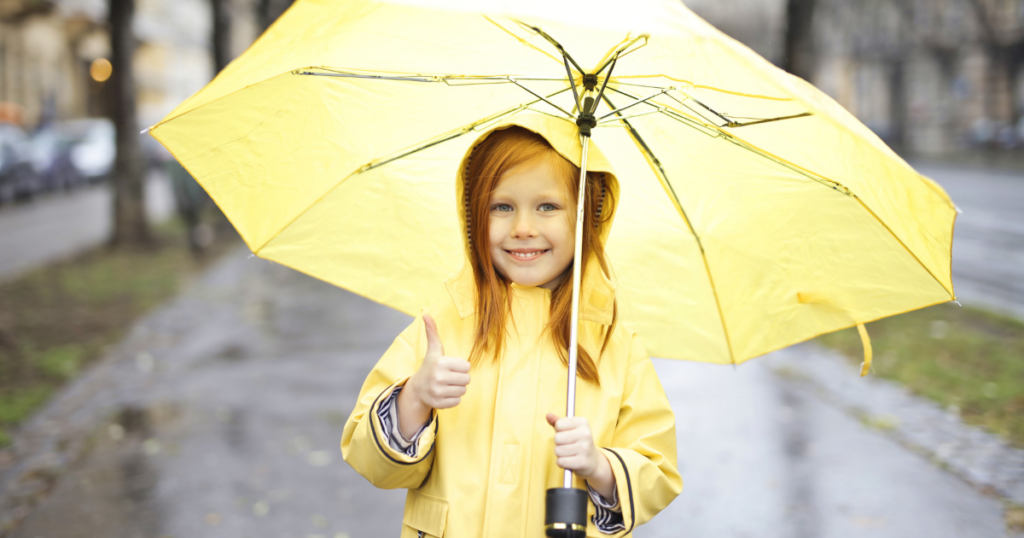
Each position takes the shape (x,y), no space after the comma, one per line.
(482,467)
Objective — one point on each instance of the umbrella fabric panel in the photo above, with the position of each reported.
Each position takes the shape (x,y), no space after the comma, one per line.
(382,38)
(834,144)
(790,258)
(390,234)
(661,282)
(234,146)
(918,212)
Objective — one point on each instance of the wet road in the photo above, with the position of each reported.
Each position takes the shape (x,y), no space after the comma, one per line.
(61,225)
(988,241)
(220,415)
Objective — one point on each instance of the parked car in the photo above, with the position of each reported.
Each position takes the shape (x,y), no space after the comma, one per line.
(51,158)
(18,180)
(93,147)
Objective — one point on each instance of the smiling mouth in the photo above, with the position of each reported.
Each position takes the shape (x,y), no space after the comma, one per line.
(526,255)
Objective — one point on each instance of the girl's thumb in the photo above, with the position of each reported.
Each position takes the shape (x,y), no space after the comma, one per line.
(433,339)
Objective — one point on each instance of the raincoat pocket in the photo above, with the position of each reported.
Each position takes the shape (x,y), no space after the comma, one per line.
(424,515)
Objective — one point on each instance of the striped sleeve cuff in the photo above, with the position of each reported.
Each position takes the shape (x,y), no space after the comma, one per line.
(388,415)
(607,515)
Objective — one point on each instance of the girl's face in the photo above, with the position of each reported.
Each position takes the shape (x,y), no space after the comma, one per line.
(531,237)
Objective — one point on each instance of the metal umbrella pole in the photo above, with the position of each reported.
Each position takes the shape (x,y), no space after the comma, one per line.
(566,507)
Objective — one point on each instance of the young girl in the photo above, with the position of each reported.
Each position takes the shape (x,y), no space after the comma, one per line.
(464,408)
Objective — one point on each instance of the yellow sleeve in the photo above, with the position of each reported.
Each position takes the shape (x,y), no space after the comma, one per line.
(643,451)
(363,443)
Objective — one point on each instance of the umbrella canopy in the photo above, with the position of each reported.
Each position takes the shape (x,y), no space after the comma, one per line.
(754,211)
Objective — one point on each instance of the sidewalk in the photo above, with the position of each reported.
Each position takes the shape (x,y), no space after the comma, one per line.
(220,415)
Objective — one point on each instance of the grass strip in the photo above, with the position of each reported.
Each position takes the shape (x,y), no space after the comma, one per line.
(970,361)
(55,320)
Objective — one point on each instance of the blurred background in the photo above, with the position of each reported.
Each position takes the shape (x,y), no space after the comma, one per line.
(157,381)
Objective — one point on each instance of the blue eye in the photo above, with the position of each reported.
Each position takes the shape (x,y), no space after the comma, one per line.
(548,207)
(501,207)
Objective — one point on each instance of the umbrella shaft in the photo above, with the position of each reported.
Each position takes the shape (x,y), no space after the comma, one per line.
(577,270)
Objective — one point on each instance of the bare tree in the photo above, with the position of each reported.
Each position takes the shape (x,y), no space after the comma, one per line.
(269,10)
(130,226)
(221,34)
(1005,50)
(799,48)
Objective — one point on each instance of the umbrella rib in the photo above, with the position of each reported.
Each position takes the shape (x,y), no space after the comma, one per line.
(729,122)
(455,134)
(542,98)
(446,78)
(556,44)
(718,132)
(631,96)
(622,52)
(450,80)
(634,103)
(679,207)
(631,116)
(572,82)
(519,39)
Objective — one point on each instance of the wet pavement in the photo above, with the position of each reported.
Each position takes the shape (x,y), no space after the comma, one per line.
(988,239)
(221,413)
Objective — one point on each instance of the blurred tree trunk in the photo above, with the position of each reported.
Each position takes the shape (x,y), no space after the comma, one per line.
(221,34)
(270,10)
(1005,55)
(130,226)
(897,105)
(799,53)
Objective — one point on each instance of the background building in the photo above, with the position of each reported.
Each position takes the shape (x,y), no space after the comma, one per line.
(929,76)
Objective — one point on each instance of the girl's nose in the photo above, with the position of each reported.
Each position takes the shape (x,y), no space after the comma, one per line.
(523,227)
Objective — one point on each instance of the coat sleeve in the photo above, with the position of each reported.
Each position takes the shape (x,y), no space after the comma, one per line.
(364,445)
(643,451)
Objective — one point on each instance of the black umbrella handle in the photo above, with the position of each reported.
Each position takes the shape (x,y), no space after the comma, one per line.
(566,513)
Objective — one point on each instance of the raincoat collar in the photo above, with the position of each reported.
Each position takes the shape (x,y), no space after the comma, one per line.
(597,293)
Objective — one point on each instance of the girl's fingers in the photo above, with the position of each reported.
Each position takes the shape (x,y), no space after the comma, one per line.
(455,364)
(455,378)
(451,391)
(573,463)
(570,423)
(570,436)
(447,403)
(574,449)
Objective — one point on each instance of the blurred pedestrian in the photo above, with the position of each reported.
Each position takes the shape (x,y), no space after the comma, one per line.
(190,200)
(478,457)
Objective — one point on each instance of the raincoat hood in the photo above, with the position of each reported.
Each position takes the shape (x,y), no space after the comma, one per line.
(564,137)
(598,291)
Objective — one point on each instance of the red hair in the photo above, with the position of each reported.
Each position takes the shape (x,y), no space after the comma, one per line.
(488,163)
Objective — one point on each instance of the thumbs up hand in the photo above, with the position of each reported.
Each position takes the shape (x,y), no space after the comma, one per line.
(441,381)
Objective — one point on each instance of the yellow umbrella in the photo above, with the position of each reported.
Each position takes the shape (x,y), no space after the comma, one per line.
(755,212)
